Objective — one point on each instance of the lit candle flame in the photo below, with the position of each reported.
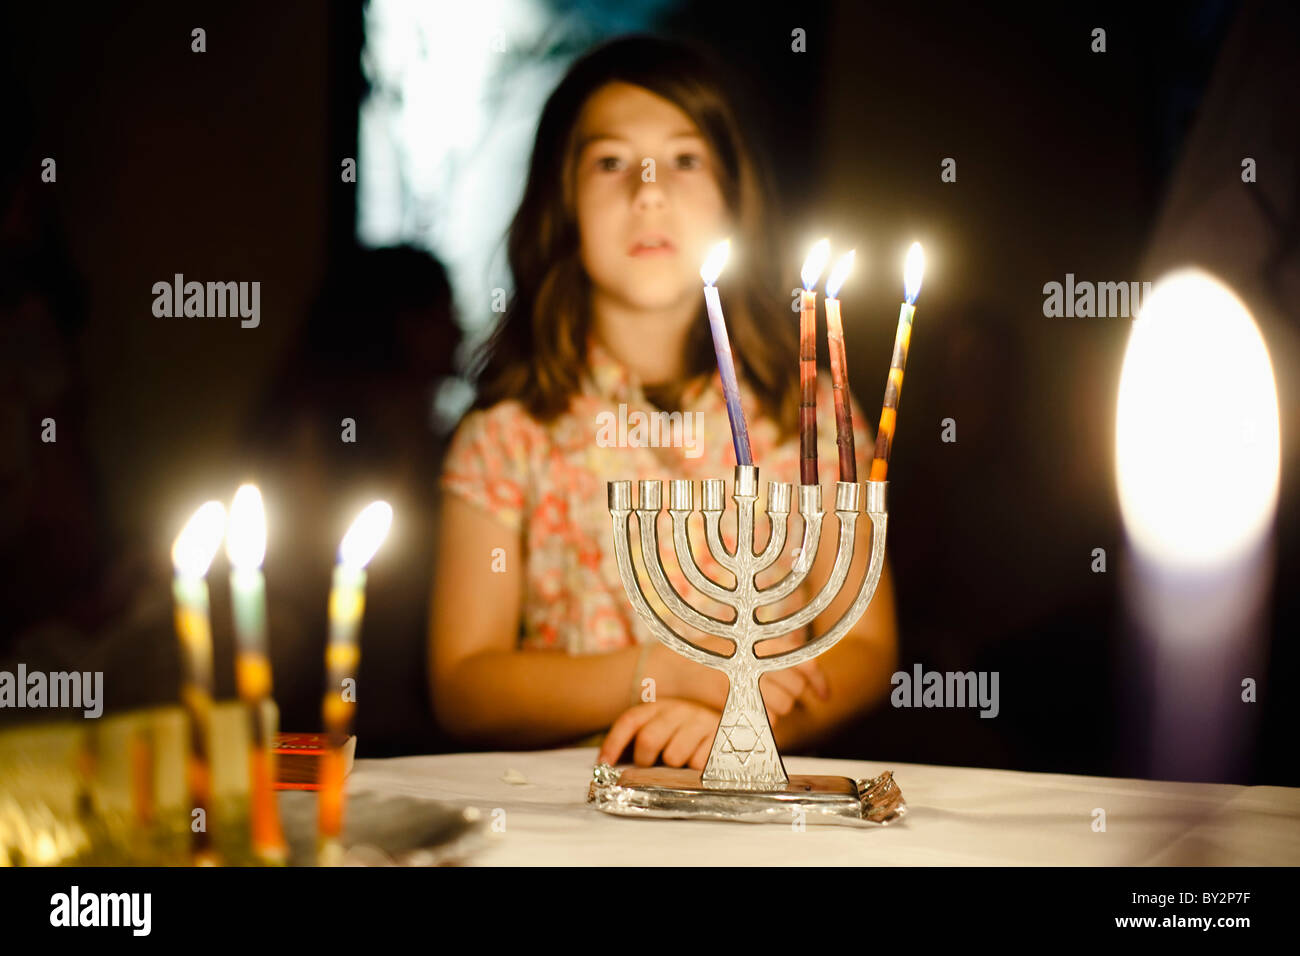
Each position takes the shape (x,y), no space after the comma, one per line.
(839,274)
(246,539)
(713,264)
(197,544)
(366,534)
(815,263)
(913,270)
(1198,464)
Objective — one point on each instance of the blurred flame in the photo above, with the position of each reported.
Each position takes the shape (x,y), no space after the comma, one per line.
(246,537)
(197,544)
(713,264)
(815,263)
(1198,450)
(839,274)
(366,534)
(913,271)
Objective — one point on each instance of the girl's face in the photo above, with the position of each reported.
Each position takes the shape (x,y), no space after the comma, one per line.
(648,203)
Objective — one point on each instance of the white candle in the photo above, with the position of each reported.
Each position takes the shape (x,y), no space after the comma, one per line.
(246,548)
(342,655)
(192,555)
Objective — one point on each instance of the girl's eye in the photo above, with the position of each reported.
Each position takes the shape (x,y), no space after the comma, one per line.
(608,164)
(689,161)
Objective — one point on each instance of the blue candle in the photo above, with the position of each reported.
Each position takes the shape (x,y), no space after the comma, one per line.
(722,347)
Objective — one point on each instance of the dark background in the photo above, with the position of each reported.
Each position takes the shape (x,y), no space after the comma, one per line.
(224,166)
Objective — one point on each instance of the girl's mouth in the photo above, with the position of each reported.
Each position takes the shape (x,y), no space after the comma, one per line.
(654,245)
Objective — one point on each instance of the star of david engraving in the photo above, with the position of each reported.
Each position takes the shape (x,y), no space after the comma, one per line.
(745,743)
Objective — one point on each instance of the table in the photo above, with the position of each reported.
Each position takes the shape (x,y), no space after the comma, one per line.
(956,816)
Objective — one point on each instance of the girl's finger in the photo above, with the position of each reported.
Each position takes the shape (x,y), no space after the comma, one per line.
(801,678)
(684,743)
(622,731)
(792,680)
(701,755)
(776,697)
(652,738)
(817,678)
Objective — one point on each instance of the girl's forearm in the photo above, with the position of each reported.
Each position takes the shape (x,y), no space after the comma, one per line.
(529,698)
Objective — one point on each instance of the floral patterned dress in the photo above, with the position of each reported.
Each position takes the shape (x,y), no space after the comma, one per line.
(548,482)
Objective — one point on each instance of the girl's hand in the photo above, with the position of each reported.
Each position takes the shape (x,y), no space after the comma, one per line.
(682,731)
(781,689)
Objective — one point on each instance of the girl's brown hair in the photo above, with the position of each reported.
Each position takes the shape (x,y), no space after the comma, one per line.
(537,352)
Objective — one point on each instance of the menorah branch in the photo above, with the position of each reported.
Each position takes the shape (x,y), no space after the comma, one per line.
(620,499)
(810,508)
(824,642)
(647,514)
(778,515)
(846,509)
(686,558)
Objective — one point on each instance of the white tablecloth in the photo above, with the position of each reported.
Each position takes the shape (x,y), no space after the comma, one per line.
(956,816)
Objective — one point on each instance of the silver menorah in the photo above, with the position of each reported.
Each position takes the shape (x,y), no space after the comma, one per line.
(745,777)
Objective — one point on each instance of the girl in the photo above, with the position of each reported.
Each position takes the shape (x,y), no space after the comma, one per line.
(638,169)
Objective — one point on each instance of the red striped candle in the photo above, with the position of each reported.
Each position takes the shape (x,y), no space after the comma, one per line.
(812,271)
(840,370)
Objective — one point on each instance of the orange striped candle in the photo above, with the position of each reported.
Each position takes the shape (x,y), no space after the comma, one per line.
(913,271)
(142,775)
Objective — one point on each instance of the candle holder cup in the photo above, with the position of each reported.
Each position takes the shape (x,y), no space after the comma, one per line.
(744,778)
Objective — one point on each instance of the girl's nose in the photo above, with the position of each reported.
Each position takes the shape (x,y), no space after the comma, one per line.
(648,196)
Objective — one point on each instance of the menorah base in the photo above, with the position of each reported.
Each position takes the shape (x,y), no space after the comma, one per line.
(807,799)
